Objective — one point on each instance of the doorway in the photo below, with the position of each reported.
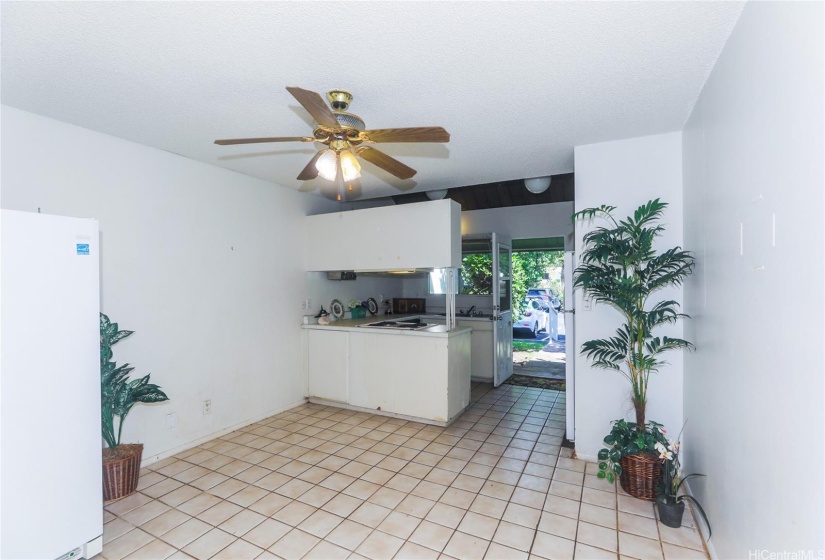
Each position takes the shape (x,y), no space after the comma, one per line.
(539,334)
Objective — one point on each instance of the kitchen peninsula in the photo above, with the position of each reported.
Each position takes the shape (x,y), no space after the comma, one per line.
(420,374)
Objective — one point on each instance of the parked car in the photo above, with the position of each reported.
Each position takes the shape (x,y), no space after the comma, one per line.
(533,319)
(546,295)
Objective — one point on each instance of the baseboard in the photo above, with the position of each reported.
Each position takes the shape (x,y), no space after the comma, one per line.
(326,402)
(588,458)
(194,443)
(702,527)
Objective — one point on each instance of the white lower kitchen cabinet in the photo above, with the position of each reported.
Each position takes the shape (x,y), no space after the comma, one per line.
(425,376)
(327,364)
(482,354)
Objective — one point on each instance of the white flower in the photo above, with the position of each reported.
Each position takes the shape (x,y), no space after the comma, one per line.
(659,447)
(665,454)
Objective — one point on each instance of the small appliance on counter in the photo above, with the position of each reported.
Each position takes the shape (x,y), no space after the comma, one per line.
(388,307)
(409,305)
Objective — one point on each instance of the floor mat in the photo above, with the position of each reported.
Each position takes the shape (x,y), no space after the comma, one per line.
(537,382)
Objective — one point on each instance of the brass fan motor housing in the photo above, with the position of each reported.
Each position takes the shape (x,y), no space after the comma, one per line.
(339,99)
(351,126)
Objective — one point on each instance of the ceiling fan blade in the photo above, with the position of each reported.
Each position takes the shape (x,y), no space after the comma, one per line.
(416,134)
(385,162)
(262,140)
(315,106)
(310,171)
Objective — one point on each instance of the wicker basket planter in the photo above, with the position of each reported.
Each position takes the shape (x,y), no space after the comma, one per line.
(641,475)
(121,471)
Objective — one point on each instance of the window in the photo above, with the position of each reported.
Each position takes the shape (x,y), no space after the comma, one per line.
(476,275)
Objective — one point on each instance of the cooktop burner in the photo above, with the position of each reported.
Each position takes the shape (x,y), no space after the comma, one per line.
(412,325)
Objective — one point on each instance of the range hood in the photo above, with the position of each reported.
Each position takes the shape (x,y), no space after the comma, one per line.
(396,273)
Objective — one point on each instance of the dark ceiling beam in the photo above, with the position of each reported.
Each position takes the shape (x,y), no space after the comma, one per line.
(503,194)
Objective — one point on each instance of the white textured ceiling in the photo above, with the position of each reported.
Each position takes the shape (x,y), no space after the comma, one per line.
(517,85)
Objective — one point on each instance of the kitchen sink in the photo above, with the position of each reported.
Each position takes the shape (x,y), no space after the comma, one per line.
(465,315)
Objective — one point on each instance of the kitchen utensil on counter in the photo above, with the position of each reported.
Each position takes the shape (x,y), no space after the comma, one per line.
(322,313)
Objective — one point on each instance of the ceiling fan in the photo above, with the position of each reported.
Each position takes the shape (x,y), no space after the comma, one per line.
(345,136)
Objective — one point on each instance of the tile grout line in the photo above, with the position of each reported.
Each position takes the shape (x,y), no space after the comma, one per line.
(506,404)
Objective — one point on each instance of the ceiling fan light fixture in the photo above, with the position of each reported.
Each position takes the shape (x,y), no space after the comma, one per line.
(327,165)
(537,185)
(350,168)
(437,194)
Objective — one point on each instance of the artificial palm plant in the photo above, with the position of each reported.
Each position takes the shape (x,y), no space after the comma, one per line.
(620,267)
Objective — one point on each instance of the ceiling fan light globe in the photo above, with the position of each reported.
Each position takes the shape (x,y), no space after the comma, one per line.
(537,185)
(327,165)
(350,168)
(437,194)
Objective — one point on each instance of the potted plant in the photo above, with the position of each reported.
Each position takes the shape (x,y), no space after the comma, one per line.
(121,462)
(620,267)
(358,309)
(669,503)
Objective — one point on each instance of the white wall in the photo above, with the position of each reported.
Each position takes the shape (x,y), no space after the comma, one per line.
(626,174)
(753,149)
(204,264)
(323,291)
(522,222)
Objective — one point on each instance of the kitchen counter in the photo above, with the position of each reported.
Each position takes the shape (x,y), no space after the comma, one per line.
(421,375)
(352,325)
(442,316)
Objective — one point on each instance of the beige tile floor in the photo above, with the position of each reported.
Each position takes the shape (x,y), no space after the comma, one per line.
(327,483)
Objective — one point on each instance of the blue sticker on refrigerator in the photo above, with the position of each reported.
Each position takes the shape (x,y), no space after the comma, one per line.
(82,248)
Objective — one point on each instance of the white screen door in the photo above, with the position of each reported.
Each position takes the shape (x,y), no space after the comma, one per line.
(502,309)
(570,343)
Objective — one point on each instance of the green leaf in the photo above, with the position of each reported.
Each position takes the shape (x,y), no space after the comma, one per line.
(617,468)
(603,453)
(603,466)
(610,477)
(119,394)
(601,474)
(615,455)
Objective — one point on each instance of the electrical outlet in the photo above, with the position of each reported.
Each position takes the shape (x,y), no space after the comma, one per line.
(306,304)
(207,407)
(171,420)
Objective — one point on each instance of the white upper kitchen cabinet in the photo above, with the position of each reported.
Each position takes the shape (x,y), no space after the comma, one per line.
(407,236)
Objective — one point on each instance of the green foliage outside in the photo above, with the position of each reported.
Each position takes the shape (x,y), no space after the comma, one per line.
(526,346)
(528,272)
(477,274)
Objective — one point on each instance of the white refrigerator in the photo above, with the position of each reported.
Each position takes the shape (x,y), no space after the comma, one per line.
(50,463)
